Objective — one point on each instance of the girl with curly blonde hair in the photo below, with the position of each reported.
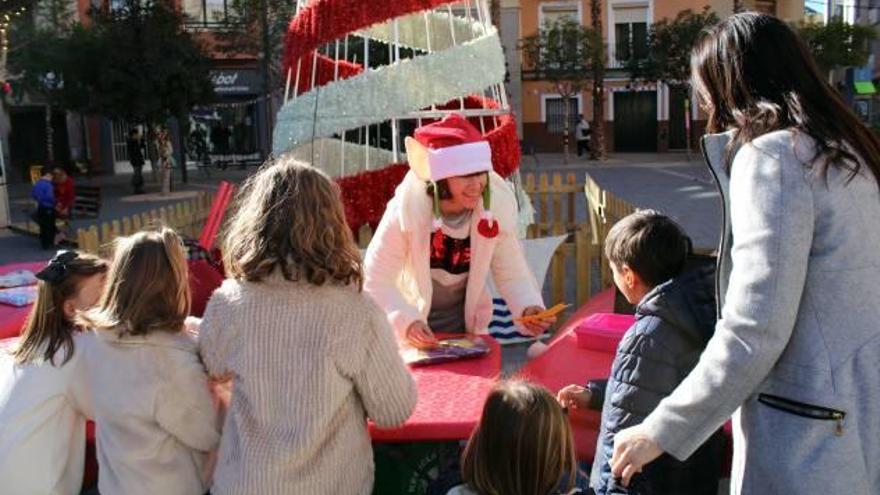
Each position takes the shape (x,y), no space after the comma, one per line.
(310,356)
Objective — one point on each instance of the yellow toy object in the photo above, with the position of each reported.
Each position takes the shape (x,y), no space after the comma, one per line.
(543,315)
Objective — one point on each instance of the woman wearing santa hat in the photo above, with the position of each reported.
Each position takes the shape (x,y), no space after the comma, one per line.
(451,223)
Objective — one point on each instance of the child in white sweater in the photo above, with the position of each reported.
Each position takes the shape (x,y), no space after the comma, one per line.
(155,417)
(44,397)
(311,357)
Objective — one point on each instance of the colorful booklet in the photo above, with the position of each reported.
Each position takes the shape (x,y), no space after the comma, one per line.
(448,350)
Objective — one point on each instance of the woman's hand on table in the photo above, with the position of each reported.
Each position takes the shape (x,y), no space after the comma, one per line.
(538,326)
(574,397)
(420,336)
(633,449)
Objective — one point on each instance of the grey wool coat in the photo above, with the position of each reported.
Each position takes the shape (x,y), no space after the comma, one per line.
(795,356)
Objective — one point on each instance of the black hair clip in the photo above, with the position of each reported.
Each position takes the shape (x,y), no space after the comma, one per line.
(56,270)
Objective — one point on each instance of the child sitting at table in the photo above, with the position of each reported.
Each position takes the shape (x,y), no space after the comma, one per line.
(675,317)
(522,446)
(44,398)
(155,418)
(311,356)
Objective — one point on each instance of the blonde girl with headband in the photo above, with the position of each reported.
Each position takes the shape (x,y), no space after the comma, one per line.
(155,417)
(44,397)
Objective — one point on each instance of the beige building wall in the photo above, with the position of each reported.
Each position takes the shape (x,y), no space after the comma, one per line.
(534,92)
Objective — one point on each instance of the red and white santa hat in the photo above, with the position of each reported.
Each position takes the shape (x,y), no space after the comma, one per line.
(449,148)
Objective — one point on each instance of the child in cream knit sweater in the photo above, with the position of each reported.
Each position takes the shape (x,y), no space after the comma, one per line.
(310,356)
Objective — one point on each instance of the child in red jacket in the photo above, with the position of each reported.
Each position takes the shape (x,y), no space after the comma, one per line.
(64,198)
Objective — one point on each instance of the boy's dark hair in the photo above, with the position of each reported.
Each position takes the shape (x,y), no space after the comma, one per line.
(651,244)
(46,170)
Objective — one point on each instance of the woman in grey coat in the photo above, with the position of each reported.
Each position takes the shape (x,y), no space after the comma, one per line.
(795,357)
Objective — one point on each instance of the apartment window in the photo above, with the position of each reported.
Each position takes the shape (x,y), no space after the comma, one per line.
(205,12)
(554,114)
(630,33)
(766,6)
(555,11)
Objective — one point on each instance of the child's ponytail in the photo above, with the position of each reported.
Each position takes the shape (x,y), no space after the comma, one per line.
(47,330)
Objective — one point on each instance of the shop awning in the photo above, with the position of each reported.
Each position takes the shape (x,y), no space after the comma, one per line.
(865,88)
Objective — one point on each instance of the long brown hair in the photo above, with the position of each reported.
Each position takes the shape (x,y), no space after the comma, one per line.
(756,75)
(148,286)
(289,218)
(47,329)
(522,446)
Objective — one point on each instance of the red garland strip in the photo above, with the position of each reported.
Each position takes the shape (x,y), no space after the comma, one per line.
(326,69)
(366,194)
(323,21)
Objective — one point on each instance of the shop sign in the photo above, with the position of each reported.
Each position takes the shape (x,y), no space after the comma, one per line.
(236,82)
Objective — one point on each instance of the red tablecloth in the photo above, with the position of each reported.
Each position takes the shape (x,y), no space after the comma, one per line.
(12,318)
(451,398)
(203,279)
(565,363)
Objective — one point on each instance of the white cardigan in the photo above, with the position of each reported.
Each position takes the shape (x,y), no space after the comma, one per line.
(397,264)
(43,410)
(155,417)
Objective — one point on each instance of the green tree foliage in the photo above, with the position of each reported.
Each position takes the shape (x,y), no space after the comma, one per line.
(35,58)
(669,48)
(257,28)
(838,44)
(562,53)
(133,63)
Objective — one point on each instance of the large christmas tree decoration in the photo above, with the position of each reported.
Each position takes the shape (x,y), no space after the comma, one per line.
(442,57)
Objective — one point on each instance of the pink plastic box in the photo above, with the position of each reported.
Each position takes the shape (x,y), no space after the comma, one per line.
(603,331)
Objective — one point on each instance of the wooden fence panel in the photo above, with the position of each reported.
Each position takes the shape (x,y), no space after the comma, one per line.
(606,209)
(187,217)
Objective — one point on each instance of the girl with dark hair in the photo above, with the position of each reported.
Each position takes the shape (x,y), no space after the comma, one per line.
(522,446)
(795,355)
(44,399)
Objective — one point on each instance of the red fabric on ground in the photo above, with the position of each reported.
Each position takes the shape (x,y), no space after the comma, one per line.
(451,398)
(12,318)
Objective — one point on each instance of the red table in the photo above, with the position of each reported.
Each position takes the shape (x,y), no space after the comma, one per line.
(12,318)
(451,398)
(565,363)
(203,279)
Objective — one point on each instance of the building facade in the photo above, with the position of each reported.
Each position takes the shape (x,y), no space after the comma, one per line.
(235,125)
(640,117)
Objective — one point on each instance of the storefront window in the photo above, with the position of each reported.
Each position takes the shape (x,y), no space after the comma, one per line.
(228,130)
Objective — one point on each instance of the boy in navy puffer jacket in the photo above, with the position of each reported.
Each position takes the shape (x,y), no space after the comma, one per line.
(675,317)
